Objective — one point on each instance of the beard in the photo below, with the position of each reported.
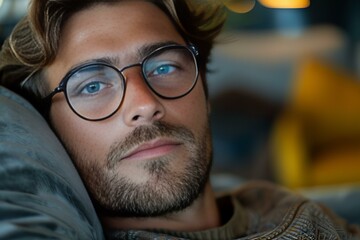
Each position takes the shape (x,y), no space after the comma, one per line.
(166,190)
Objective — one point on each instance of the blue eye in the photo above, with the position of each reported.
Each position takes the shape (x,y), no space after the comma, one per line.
(92,88)
(160,68)
(163,69)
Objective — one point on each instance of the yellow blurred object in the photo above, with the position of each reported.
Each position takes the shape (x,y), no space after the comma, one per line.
(316,141)
(239,6)
(285,3)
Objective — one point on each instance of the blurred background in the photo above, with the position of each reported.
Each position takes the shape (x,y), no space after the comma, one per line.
(285,93)
(279,62)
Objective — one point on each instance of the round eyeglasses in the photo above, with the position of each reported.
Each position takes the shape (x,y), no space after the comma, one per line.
(95,90)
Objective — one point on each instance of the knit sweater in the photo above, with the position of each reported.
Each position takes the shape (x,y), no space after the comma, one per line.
(261,211)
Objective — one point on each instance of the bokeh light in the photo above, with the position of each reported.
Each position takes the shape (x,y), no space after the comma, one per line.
(240,6)
(285,3)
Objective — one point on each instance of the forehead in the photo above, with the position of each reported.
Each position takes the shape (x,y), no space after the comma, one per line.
(117,29)
(120,21)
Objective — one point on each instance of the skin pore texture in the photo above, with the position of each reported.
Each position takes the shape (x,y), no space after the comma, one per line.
(147,165)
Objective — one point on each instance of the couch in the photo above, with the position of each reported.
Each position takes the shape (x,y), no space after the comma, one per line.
(41,193)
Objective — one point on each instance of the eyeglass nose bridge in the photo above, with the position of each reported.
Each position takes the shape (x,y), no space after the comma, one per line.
(139,64)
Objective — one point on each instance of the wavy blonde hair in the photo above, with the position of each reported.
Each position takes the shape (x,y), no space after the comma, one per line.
(33,43)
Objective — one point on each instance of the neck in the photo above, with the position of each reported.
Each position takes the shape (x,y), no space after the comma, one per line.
(201,215)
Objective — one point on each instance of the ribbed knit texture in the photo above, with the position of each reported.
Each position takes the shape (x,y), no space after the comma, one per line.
(260,211)
(234,228)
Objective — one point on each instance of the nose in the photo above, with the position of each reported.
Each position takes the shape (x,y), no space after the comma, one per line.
(140,105)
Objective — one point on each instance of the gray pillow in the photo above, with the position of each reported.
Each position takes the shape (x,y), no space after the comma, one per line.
(41,193)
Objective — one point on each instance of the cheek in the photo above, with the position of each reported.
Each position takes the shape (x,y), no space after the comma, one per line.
(191,110)
(81,139)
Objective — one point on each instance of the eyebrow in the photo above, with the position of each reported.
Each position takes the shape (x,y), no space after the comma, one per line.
(149,48)
(142,52)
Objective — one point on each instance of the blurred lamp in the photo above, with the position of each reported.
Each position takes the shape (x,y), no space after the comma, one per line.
(285,3)
(239,6)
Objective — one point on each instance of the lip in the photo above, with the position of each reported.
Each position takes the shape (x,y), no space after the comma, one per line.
(152,149)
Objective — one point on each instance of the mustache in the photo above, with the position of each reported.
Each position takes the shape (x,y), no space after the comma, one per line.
(145,133)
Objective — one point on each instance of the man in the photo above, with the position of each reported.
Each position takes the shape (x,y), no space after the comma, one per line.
(123,85)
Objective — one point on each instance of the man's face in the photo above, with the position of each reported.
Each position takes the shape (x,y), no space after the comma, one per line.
(153,155)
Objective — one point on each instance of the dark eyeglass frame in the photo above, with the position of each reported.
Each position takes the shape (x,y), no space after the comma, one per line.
(63,83)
